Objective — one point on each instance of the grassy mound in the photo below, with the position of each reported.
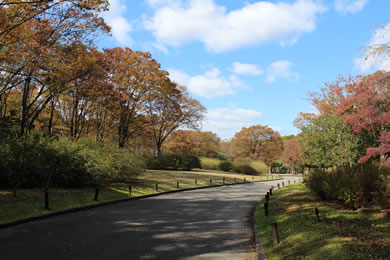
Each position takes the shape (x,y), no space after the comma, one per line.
(340,234)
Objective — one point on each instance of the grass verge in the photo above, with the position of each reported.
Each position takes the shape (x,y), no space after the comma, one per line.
(340,234)
(29,203)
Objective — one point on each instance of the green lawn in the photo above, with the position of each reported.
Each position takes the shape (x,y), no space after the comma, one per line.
(30,203)
(340,234)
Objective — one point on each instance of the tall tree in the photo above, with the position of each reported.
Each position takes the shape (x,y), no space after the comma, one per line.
(205,144)
(292,154)
(42,61)
(367,110)
(169,108)
(327,142)
(134,75)
(257,142)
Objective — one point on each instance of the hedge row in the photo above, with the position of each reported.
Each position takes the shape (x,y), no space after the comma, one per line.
(365,185)
(38,161)
(173,162)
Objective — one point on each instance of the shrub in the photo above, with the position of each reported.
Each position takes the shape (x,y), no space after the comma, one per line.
(209,163)
(164,161)
(243,167)
(188,162)
(259,166)
(173,162)
(355,187)
(37,161)
(226,166)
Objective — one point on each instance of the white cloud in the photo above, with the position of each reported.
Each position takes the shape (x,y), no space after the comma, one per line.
(281,69)
(349,6)
(210,84)
(205,21)
(276,128)
(160,3)
(246,69)
(227,121)
(380,38)
(121,28)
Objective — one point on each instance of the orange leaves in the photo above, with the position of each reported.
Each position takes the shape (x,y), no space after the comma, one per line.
(195,143)
(257,142)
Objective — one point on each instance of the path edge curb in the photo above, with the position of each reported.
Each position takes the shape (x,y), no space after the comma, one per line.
(259,247)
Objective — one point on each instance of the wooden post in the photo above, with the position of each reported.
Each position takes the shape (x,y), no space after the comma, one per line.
(289,182)
(211,182)
(267,197)
(223,180)
(177,184)
(46,199)
(253,178)
(156,186)
(270,192)
(244,179)
(266,209)
(283,183)
(278,186)
(275,233)
(234,179)
(130,189)
(196,182)
(96,193)
(317,214)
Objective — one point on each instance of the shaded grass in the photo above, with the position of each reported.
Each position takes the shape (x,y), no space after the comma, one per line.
(341,233)
(29,203)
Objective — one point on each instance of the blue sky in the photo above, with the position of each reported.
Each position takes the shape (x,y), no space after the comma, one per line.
(252,62)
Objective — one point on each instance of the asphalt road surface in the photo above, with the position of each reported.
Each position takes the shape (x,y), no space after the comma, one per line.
(209,223)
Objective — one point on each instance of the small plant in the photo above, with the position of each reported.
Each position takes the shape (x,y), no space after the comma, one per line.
(225,166)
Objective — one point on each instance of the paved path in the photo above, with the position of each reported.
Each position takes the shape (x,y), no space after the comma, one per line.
(201,224)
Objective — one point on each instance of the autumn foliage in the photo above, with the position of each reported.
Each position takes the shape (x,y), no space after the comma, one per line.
(55,83)
(257,143)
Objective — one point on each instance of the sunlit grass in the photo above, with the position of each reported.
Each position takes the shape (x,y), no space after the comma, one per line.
(340,234)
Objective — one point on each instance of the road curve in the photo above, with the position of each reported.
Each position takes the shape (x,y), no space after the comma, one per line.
(200,224)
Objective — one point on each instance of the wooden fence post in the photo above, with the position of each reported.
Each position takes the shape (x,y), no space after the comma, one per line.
(275,233)
(317,214)
(46,199)
(96,193)
(266,209)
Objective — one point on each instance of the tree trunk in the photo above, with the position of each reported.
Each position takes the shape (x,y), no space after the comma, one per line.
(25,101)
(50,126)
(158,149)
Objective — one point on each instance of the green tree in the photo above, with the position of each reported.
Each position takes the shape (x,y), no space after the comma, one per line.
(328,142)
